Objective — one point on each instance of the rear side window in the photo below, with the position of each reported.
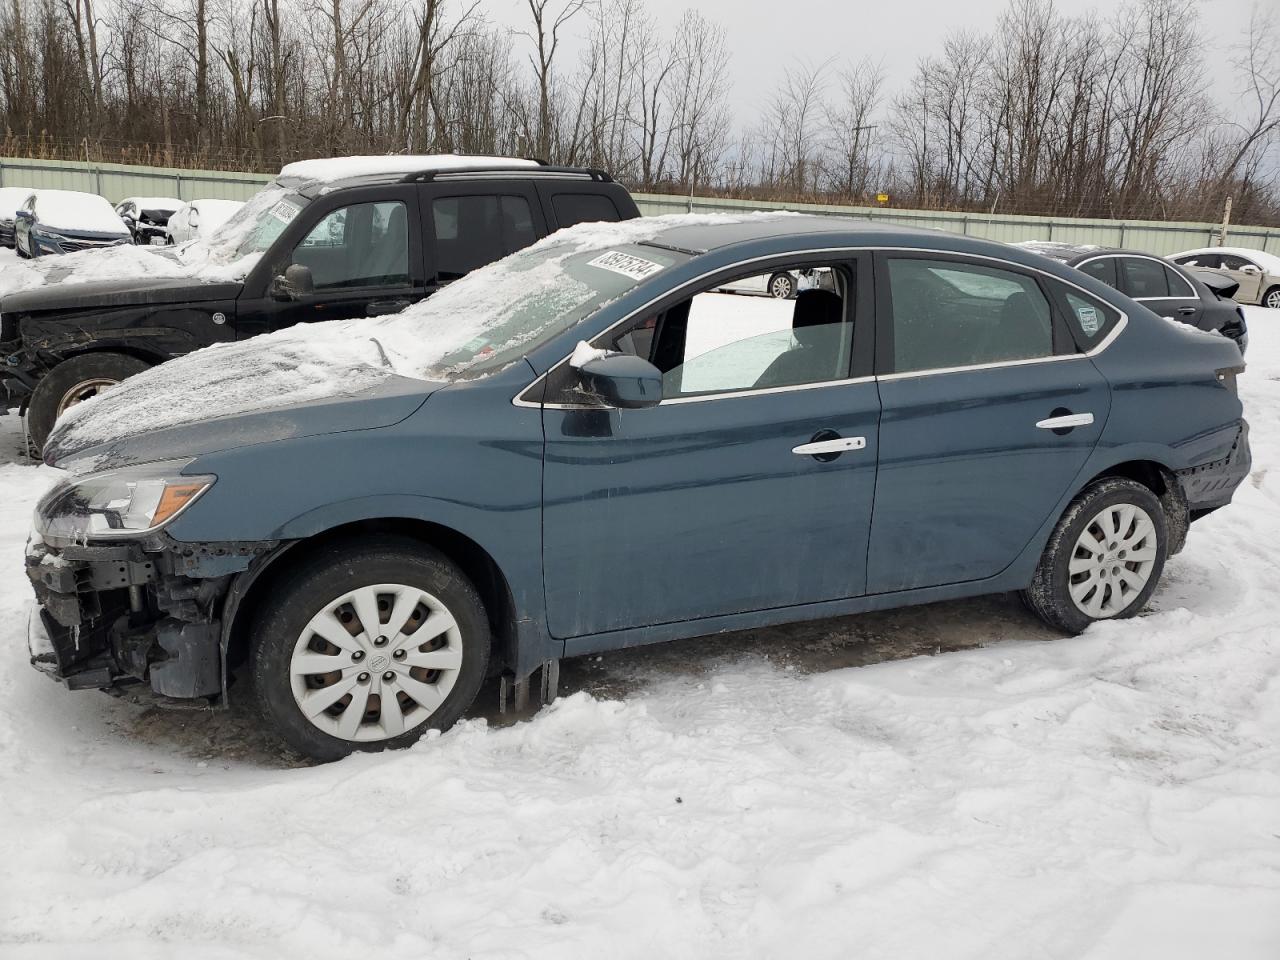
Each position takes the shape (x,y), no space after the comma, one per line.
(1104,269)
(953,314)
(473,231)
(1144,278)
(1178,285)
(1088,319)
(574,208)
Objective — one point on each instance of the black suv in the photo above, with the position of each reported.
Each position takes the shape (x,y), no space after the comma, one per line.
(326,240)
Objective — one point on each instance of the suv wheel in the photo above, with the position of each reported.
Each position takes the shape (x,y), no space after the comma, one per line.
(367,647)
(1104,558)
(1272,298)
(782,286)
(74,381)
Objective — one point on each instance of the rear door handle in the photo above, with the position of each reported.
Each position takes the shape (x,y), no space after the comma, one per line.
(379,308)
(1186,311)
(835,445)
(1066,421)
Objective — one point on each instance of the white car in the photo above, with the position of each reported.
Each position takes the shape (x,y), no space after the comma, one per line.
(783,285)
(1257,272)
(199,218)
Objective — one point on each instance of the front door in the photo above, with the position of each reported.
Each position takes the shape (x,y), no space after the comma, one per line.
(1246,273)
(749,487)
(363,259)
(980,383)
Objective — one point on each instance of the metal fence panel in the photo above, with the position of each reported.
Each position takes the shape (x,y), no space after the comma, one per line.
(116,181)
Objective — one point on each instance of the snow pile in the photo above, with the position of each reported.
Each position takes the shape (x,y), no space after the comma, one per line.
(73,210)
(343,357)
(1114,796)
(213,214)
(338,168)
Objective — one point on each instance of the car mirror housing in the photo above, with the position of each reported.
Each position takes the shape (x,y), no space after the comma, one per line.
(295,282)
(621,380)
(1250,269)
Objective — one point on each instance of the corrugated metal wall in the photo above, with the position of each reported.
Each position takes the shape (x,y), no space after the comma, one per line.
(117,181)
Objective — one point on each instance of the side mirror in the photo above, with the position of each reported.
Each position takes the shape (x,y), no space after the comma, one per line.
(622,381)
(1250,269)
(296,282)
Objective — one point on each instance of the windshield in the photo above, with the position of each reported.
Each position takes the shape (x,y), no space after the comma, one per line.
(252,229)
(527,299)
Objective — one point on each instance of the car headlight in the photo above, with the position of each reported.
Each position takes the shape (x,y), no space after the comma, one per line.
(119,503)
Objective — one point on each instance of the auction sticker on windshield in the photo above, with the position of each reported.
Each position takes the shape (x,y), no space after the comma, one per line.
(284,211)
(636,268)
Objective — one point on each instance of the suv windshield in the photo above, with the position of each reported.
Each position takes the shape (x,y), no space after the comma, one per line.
(252,229)
(496,315)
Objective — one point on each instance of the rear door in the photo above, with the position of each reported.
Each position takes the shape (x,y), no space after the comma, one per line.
(470,224)
(980,382)
(1161,288)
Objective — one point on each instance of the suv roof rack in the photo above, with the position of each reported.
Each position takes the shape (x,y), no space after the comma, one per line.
(507,173)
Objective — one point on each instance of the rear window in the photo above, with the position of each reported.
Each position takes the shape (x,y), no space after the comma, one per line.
(574,208)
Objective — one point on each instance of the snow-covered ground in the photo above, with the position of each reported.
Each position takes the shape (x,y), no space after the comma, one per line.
(1115,795)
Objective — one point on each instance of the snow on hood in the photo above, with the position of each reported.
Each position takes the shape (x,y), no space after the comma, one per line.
(343,357)
(73,210)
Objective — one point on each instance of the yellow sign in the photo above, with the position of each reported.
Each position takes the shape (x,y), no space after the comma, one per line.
(882,197)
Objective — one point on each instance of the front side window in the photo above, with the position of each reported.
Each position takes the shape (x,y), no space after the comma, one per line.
(1144,279)
(1104,269)
(954,314)
(473,231)
(1232,262)
(362,245)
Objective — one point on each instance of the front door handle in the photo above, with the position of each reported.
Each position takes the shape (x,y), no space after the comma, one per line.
(379,308)
(1066,421)
(831,447)
(1186,311)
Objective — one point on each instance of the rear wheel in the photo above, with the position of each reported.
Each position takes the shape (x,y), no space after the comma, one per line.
(1272,298)
(1104,558)
(367,647)
(74,381)
(782,286)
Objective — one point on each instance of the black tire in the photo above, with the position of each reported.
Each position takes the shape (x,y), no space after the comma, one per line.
(782,286)
(1271,298)
(326,576)
(61,383)
(1049,595)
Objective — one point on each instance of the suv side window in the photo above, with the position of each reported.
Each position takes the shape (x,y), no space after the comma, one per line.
(953,314)
(473,231)
(1143,278)
(1104,269)
(571,208)
(362,245)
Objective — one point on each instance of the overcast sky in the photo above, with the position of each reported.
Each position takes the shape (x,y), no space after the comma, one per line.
(763,35)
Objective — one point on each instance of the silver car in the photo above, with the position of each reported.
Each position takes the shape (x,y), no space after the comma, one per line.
(1257,272)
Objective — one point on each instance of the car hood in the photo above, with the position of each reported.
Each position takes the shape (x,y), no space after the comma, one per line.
(116,293)
(380,406)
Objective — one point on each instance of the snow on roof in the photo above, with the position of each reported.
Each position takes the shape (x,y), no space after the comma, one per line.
(15,196)
(336,358)
(339,168)
(73,210)
(155,203)
(1056,249)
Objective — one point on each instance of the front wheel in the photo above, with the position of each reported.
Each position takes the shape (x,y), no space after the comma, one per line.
(366,647)
(1104,558)
(1272,298)
(74,381)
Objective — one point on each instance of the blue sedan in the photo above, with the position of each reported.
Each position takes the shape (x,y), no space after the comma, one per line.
(586,446)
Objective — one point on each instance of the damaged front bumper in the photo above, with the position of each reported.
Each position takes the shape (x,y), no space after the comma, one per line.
(150,612)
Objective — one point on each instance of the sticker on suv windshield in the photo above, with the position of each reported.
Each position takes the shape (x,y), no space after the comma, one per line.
(284,211)
(1089,320)
(624,263)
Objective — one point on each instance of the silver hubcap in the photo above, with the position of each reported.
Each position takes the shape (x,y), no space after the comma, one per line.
(83,391)
(1112,561)
(781,287)
(375,662)
(1273,300)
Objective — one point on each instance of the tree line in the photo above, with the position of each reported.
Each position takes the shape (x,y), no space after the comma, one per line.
(1045,113)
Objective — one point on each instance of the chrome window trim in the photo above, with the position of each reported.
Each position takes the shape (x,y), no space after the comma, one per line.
(1093,352)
